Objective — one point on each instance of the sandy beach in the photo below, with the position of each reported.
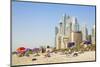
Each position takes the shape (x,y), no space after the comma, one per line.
(55,58)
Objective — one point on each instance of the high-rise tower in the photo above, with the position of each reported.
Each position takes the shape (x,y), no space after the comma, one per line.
(84,33)
(93,34)
(75,25)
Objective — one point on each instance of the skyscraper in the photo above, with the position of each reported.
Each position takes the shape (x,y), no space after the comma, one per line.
(75,25)
(67,26)
(84,33)
(89,38)
(64,23)
(62,36)
(61,27)
(76,37)
(93,34)
(56,30)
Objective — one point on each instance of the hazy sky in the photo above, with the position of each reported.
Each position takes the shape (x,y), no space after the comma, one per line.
(33,24)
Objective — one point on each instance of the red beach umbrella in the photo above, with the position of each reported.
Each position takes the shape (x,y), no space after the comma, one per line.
(21,50)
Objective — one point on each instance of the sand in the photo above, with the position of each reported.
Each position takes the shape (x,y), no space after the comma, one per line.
(55,58)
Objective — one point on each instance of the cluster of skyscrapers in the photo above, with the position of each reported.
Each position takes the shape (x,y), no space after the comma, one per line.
(69,30)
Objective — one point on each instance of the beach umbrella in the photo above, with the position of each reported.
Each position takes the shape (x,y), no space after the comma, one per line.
(36,49)
(28,49)
(87,42)
(21,49)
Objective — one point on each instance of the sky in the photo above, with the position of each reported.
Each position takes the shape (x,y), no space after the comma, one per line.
(33,24)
